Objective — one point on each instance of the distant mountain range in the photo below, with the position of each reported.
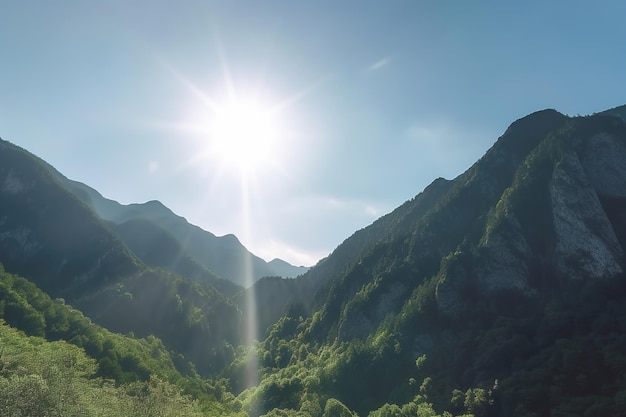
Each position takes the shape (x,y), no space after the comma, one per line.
(501,292)
(223,255)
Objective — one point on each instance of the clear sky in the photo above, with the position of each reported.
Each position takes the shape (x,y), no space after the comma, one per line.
(355,106)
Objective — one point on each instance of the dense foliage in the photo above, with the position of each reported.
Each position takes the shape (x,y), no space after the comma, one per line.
(40,378)
(563,355)
(140,370)
(25,307)
(193,319)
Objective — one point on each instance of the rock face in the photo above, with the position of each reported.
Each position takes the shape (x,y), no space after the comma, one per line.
(586,245)
(551,221)
(545,206)
(603,159)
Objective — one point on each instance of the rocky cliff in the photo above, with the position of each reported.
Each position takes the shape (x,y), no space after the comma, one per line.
(553,222)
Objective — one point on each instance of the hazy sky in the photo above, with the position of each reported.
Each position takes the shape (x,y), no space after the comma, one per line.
(370,100)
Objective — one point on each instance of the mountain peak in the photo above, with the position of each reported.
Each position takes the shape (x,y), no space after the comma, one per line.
(525,133)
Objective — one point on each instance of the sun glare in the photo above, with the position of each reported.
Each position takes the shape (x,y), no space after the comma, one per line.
(242,128)
(243,133)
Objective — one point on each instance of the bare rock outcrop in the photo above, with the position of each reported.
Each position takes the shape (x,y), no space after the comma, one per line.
(586,245)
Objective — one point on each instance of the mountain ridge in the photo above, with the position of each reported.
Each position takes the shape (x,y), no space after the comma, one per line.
(504,155)
(534,224)
(222,255)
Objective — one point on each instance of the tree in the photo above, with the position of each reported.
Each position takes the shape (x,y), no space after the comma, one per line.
(335,408)
(476,401)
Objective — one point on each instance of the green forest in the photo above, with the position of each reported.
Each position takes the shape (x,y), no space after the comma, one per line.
(55,362)
(570,357)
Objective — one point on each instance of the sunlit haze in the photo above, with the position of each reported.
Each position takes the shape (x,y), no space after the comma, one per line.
(291,124)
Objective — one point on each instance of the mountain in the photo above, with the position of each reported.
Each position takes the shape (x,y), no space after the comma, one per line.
(505,286)
(56,241)
(224,255)
(47,233)
(156,247)
(447,213)
(280,268)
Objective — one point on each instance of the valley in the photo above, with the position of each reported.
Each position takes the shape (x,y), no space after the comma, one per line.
(500,292)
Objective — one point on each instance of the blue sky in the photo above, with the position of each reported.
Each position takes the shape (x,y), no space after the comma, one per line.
(375,99)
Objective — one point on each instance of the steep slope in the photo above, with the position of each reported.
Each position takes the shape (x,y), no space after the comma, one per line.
(481,275)
(27,308)
(277,296)
(411,236)
(224,255)
(55,240)
(156,247)
(48,234)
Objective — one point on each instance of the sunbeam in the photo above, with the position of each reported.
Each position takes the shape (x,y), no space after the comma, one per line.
(241,136)
(251,322)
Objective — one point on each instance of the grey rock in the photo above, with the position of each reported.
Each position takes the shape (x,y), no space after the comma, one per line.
(586,245)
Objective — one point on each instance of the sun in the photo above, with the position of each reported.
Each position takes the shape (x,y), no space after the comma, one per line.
(247,128)
(243,133)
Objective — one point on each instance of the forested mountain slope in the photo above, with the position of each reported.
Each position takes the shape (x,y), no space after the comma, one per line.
(55,240)
(50,236)
(55,362)
(401,226)
(506,285)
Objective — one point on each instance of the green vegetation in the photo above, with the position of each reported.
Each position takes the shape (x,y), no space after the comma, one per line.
(103,373)
(40,378)
(562,356)
(123,359)
(52,237)
(121,364)
(193,319)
